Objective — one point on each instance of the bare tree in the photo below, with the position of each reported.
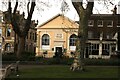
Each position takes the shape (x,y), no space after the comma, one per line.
(20,25)
(84,14)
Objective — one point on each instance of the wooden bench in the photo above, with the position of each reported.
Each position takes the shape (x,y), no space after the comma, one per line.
(10,69)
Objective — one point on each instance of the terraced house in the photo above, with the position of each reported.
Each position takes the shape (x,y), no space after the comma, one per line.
(57,36)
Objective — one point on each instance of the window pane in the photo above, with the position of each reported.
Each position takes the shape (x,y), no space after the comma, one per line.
(90,23)
(45,39)
(100,23)
(109,23)
(72,40)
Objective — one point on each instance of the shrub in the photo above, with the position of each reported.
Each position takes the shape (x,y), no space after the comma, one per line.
(27,56)
(102,62)
(9,57)
(50,61)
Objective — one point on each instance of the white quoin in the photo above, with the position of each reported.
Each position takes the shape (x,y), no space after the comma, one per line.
(100,45)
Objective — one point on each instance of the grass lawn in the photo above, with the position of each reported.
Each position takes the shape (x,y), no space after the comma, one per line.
(62,71)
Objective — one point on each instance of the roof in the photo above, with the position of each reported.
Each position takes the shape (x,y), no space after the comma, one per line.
(58,21)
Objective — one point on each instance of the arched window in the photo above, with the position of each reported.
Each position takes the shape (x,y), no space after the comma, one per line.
(72,40)
(45,39)
(7,47)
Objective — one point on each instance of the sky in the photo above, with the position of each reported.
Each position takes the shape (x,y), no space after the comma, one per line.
(45,13)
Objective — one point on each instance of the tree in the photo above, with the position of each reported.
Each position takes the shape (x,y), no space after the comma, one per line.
(84,14)
(20,25)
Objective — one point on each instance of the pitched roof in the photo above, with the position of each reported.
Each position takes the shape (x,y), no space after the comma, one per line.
(58,21)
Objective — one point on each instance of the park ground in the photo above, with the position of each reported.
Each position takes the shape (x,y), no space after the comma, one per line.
(31,72)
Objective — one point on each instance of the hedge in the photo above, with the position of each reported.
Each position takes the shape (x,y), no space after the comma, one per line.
(29,58)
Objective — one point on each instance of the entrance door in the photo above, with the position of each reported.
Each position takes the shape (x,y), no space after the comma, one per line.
(58,52)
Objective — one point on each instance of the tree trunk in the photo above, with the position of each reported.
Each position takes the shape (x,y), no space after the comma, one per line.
(82,38)
(20,47)
(84,15)
(81,42)
(15,43)
(83,31)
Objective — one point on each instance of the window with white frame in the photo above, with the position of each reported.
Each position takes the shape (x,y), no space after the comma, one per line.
(105,49)
(72,41)
(100,23)
(109,23)
(45,42)
(94,49)
(90,23)
(45,39)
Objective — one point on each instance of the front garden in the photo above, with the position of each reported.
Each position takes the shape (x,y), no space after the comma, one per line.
(31,67)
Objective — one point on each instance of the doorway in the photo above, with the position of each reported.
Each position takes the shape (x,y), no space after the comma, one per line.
(58,52)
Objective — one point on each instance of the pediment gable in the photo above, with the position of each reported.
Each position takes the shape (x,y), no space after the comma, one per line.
(57,22)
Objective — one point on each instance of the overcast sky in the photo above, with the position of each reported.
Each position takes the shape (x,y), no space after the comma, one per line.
(54,9)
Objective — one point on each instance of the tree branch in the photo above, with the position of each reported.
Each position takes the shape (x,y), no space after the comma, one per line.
(9,7)
(28,8)
(15,8)
(28,21)
(78,6)
(90,7)
(12,17)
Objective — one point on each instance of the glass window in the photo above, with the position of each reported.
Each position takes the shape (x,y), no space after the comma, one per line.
(45,39)
(7,47)
(72,40)
(8,32)
(90,34)
(109,23)
(105,49)
(100,23)
(94,49)
(90,22)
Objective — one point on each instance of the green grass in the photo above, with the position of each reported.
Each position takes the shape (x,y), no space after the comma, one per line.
(62,71)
